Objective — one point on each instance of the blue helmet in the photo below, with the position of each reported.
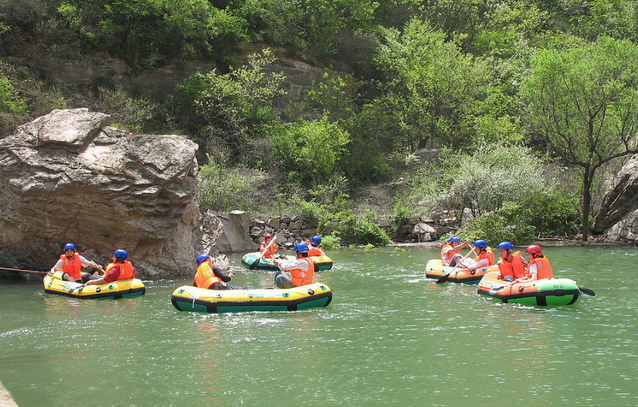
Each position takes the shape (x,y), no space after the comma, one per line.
(121,254)
(201,258)
(301,248)
(69,246)
(454,239)
(315,240)
(481,243)
(505,246)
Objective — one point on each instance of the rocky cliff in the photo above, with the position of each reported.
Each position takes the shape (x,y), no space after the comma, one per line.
(618,217)
(70,177)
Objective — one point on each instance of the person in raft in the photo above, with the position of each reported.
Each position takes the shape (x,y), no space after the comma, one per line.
(209,276)
(302,269)
(119,269)
(451,251)
(71,263)
(270,252)
(313,246)
(484,256)
(538,267)
(512,266)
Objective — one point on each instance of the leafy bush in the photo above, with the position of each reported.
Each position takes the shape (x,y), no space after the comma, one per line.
(508,190)
(309,151)
(224,189)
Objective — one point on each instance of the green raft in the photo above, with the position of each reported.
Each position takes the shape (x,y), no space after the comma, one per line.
(321,262)
(545,292)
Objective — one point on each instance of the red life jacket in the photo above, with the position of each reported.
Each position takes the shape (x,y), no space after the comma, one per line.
(72,266)
(270,252)
(313,251)
(543,268)
(300,277)
(205,276)
(127,271)
(514,269)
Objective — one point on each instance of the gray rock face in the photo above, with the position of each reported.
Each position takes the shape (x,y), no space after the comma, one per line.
(69,177)
(618,217)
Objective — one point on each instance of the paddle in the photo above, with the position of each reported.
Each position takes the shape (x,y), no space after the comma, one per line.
(587,291)
(445,277)
(261,254)
(23,271)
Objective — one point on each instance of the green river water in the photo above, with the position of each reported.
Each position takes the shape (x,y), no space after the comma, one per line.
(389,338)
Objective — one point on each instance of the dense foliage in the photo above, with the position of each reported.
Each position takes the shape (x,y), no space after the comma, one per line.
(510,90)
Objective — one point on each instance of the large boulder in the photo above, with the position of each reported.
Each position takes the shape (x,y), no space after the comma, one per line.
(70,177)
(618,217)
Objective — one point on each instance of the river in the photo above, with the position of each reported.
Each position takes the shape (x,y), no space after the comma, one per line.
(389,338)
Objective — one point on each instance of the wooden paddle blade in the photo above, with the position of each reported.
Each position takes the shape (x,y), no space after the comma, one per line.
(443,279)
(587,291)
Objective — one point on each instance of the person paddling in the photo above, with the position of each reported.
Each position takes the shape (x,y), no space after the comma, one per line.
(268,251)
(71,264)
(451,251)
(302,269)
(484,256)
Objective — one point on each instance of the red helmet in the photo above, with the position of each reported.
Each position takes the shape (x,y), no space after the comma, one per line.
(267,235)
(533,249)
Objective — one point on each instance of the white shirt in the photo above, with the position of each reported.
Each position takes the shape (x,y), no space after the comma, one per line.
(294,264)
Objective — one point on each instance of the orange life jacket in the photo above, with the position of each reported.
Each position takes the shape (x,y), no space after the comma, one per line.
(447,257)
(72,266)
(270,252)
(313,251)
(487,254)
(300,277)
(543,268)
(205,276)
(514,269)
(127,271)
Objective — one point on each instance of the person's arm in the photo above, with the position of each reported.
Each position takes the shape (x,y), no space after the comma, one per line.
(89,263)
(56,267)
(109,277)
(218,273)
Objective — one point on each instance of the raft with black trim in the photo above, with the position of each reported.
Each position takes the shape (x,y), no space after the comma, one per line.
(189,298)
(545,292)
(321,262)
(436,270)
(117,289)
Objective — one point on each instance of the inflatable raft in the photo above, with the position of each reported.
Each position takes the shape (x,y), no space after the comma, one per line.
(545,292)
(321,262)
(436,270)
(189,298)
(117,289)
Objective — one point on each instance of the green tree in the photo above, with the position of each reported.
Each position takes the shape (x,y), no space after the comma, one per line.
(584,101)
(235,107)
(310,150)
(433,86)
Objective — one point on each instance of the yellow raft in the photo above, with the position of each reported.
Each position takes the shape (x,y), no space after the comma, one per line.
(435,269)
(189,298)
(117,289)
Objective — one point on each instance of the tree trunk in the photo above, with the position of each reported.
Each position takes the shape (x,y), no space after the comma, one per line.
(588,176)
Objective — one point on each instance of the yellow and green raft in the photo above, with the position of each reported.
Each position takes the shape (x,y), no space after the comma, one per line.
(189,298)
(117,289)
